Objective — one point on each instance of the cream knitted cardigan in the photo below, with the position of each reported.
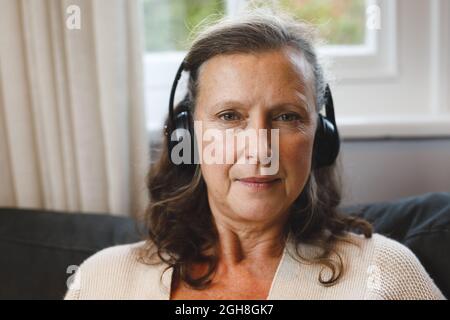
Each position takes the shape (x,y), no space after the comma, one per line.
(380,269)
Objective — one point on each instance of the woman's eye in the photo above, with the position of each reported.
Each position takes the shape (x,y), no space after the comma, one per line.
(229,116)
(288,117)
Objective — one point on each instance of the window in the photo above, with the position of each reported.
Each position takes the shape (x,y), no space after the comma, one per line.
(340,22)
(168,22)
(367,54)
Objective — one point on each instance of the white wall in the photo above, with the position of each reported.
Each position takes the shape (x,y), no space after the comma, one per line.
(379,170)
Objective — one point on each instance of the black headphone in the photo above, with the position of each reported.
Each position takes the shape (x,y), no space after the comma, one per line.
(326,140)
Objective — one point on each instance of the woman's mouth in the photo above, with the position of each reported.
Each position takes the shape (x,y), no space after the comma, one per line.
(259,183)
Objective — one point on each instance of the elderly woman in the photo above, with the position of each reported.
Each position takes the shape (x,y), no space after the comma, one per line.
(229,231)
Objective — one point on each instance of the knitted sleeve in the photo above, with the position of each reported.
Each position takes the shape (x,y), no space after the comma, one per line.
(72,295)
(397,274)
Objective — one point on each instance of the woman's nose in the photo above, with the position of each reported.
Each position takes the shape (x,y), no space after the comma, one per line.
(259,149)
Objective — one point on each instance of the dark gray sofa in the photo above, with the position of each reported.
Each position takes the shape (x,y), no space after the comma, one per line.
(37,247)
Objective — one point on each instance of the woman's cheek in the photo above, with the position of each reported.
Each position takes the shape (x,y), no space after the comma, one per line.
(295,152)
(295,162)
(216,176)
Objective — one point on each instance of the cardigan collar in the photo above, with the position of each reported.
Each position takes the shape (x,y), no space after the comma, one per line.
(285,265)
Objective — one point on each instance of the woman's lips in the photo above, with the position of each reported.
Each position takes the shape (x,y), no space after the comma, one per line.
(259,183)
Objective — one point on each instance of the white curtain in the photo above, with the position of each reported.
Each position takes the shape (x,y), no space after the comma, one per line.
(72,124)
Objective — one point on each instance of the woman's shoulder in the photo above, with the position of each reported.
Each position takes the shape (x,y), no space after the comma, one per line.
(118,256)
(115,272)
(378,246)
(394,271)
(375,244)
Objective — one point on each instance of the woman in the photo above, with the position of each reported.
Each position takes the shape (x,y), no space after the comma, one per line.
(229,231)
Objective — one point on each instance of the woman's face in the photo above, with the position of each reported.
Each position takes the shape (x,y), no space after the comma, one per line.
(241,93)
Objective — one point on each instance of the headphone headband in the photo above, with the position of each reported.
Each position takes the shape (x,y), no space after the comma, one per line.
(329,105)
(174,88)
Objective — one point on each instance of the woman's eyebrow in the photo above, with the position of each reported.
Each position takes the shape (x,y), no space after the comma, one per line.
(302,106)
(302,103)
(228,103)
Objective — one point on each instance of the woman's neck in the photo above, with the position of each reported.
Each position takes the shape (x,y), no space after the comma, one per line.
(244,245)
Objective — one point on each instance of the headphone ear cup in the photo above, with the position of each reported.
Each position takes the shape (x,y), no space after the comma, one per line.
(326,143)
(180,125)
(183,121)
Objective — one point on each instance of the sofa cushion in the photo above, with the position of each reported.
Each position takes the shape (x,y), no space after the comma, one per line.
(38,248)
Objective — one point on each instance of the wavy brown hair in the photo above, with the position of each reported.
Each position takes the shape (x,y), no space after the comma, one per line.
(178,218)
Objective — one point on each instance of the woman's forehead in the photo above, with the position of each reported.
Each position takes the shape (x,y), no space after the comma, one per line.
(287,62)
(270,74)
